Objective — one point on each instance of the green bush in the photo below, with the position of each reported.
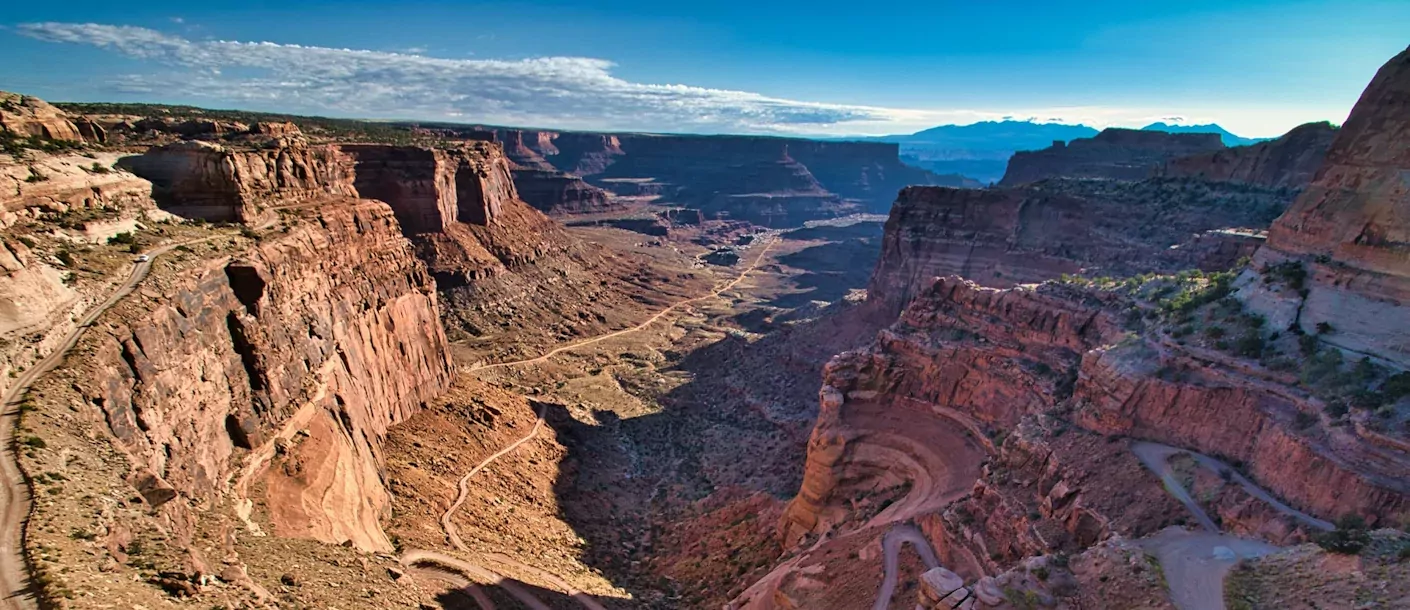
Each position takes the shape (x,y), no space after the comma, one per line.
(1304,420)
(123,238)
(1291,273)
(1397,386)
(1250,345)
(1349,537)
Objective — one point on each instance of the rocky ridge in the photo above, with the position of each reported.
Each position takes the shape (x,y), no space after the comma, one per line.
(1116,154)
(1003,237)
(1288,161)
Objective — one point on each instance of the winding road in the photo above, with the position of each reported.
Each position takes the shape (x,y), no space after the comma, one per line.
(899,534)
(15,501)
(1195,563)
(448,567)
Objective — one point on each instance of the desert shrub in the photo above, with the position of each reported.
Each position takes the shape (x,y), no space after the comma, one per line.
(1307,344)
(1325,328)
(1250,345)
(1349,537)
(1396,386)
(1304,420)
(65,257)
(123,238)
(1291,273)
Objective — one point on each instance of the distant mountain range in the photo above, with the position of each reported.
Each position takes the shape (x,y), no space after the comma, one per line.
(982,150)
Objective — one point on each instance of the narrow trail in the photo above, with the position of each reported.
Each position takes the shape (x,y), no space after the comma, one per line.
(415,556)
(649,321)
(447,523)
(15,501)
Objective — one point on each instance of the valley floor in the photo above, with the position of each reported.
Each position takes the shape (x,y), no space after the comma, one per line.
(670,447)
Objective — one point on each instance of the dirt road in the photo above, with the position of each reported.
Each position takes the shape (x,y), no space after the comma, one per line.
(1195,563)
(649,321)
(15,499)
(899,534)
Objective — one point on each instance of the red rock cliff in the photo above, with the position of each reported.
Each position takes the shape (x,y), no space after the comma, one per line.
(1350,231)
(427,188)
(330,331)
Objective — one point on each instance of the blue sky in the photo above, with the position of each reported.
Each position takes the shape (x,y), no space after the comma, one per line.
(1258,68)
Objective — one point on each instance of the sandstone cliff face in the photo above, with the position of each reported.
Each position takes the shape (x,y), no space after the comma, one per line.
(1118,154)
(428,189)
(1289,161)
(27,116)
(209,181)
(1350,231)
(1006,237)
(302,351)
(543,185)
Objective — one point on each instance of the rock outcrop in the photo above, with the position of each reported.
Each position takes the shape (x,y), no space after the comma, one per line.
(428,188)
(1349,232)
(1117,154)
(1010,236)
(1289,161)
(27,116)
(295,356)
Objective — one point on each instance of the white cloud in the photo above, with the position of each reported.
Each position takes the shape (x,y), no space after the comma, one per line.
(560,92)
(567,91)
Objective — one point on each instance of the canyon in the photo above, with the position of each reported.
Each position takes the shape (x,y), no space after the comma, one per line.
(258,361)
(769,181)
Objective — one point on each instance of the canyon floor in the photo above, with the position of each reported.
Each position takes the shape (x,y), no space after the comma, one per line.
(688,426)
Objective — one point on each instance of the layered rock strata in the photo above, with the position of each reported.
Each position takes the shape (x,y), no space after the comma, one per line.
(1116,154)
(1349,233)
(428,188)
(772,180)
(1007,237)
(1290,161)
(294,357)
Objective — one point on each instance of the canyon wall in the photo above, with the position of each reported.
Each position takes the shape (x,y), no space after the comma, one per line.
(1349,232)
(428,188)
(778,181)
(1117,154)
(298,354)
(1289,161)
(1004,237)
(1160,393)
